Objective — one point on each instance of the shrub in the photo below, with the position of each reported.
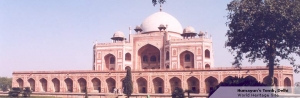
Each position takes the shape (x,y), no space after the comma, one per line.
(237,81)
(15,92)
(178,93)
(27,92)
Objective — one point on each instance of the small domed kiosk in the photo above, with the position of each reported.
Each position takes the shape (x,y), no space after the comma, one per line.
(118,36)
(138,29)
(188,32)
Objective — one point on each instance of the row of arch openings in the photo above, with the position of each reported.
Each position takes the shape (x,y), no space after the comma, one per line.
(57,84)
(193,84)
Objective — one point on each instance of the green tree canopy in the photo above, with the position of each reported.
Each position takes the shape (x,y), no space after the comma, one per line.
(267,30)
(178,93)
(127,83)
(5,83)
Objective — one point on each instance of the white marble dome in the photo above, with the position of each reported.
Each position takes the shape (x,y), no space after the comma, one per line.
(118,34)
(189,29)
(152,22)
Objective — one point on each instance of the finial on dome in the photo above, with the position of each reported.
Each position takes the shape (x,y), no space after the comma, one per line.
(160,8)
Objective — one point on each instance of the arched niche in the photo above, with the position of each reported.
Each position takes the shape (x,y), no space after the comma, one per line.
(31,84)
(158,84)
(110,62)
(174,83)
(187,59)
(210,83)
(96,85)
(207,53)
(56,85)
(127,57)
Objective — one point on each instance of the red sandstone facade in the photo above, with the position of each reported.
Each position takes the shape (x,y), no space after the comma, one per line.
(162,56)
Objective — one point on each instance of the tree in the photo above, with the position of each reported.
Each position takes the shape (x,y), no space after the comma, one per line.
(267,30)
(178,93)
(5,83)
(154,2)
(27,92)
(127,83)
(237,81)
(15,92)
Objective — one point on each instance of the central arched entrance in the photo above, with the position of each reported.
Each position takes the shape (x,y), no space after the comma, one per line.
(149,57)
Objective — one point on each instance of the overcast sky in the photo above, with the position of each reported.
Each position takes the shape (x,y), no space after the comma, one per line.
(45,35)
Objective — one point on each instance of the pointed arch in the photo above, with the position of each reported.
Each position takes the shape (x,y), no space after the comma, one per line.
(175,82)
(110,61)
(193,84)
(228,78)
(96,85)
(111,84)
(144,55)
(44,84)
(158,84)
(142,85)
(287,82)
(69,84)
(31,84)
(265,80)
(251,78)
(187,59)
(207,66)
(56,85)
(210,82)
(128,57)
(82,85)
(207,53)
(127,67)
(20,82)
